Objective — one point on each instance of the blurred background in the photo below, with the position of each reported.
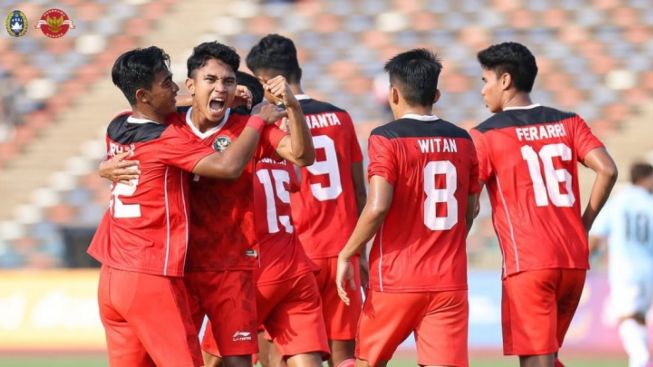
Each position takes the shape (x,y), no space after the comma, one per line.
(595,58)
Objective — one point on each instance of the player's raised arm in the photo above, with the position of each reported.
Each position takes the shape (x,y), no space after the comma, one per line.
(297,147)
(378,203)
(231,162)
(606,175)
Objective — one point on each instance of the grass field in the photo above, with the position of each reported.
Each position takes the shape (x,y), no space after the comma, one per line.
(403,361)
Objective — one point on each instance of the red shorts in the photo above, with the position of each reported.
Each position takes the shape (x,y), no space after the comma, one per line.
(291,313)
(537,307)
(147,320)
(439,320)
(341,320)
(228,298)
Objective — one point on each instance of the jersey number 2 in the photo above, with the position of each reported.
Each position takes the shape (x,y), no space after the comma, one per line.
(121,210)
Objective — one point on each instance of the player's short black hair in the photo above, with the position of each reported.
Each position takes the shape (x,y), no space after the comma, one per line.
(254,86)
(137,69)
(415,73)
(206,51)
(640,171)
(512,58)
(277,53)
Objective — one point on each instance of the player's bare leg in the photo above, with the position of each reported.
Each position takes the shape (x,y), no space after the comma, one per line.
(264,350)
(274,356)
(545,360)
(341,350)
(211,360)
(364,363)
(305,360)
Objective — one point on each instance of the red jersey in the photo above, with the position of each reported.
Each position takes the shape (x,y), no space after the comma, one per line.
(281,255)
(527,158)
(222,216)
(432,166)
(146,227)
(324,209)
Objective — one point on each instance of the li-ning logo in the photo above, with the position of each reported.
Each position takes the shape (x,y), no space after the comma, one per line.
(242,336)
(54,23)
(16,23)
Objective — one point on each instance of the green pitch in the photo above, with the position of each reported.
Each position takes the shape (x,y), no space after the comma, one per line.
(99,361)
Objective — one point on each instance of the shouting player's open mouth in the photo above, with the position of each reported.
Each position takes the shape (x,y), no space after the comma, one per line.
(216,106)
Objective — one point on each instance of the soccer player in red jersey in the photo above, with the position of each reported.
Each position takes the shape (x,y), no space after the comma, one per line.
(423,182)
(528,158)
(142,238)
(221,259)
(287,298)
(332,190)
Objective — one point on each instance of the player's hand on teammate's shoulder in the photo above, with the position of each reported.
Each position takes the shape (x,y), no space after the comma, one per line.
(278,91)
(268,112)
(120,170)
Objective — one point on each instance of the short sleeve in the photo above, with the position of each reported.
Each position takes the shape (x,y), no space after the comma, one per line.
(181,149)
(482,156)
(584,140)
(270,139)
(383,161)
(474,185)
(356,153)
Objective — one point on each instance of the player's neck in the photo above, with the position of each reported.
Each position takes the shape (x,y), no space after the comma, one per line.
(202,124)
(517,99)
(413,110)
(141,113)
(296,89)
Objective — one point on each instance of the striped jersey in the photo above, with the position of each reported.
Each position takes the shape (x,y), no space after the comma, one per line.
(528,160)
(432,166)
(146,226)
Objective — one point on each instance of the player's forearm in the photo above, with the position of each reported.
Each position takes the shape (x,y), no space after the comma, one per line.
(231,163)
(368,224)
(301,141)
(472,211)
(600,192)
(359,185)
(606,175)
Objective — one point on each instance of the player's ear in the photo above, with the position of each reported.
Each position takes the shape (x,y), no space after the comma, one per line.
(190,85)
(394,95)
(437,96)
(506,81)
(142,95)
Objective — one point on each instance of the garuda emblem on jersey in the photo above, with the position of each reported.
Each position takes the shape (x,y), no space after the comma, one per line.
(16,23)
(221,143)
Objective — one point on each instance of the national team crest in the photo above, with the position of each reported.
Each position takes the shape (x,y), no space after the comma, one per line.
(54,23)
(16,23)
(221,143)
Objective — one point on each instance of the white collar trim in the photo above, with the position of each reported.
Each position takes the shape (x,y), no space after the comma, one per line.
(135,120)
(301,97)
(209,132)
(522,107)
(415,116)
